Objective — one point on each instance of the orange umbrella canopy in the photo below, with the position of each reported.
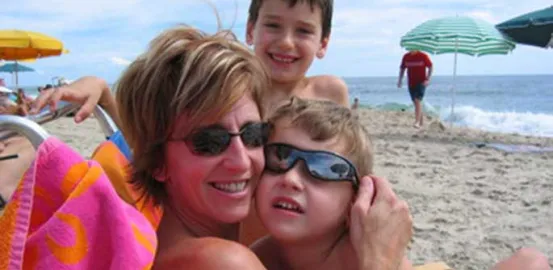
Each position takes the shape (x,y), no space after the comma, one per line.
(22,45)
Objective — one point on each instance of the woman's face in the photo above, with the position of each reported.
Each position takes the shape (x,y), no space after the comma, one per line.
(216,187)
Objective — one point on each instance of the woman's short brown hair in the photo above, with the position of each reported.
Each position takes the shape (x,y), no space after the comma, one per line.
(184,71)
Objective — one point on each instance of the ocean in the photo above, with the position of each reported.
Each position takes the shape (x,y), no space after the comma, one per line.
(508,104)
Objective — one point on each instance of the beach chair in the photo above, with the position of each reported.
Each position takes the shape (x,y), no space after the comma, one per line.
(114,155)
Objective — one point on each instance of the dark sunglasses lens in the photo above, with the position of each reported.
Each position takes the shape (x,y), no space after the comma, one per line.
(329,167)
(255,134)
(278,158)
(210,141)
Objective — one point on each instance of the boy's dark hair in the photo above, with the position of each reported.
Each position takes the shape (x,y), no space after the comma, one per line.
(326,7)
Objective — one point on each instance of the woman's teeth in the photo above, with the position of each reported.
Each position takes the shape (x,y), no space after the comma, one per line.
(230,187)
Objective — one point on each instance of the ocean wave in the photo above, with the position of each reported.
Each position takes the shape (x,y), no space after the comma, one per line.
(524,123)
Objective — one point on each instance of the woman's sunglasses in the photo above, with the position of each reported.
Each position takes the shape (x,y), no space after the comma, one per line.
(322,165)
(214,140)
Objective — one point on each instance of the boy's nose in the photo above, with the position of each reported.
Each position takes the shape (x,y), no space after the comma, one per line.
(286,41)
(292,179)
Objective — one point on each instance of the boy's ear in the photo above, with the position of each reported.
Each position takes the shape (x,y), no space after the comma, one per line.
(160,174)
(249,33)
(324,45)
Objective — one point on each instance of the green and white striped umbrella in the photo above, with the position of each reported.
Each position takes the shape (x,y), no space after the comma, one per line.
(457,35)
(463,35)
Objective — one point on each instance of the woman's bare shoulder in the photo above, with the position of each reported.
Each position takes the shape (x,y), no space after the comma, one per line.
(207,253)
(268,252)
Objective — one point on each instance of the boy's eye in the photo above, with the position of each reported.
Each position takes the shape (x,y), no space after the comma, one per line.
(271,25)
(305,31)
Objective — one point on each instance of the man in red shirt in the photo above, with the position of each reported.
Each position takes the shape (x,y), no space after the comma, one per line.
(416,63)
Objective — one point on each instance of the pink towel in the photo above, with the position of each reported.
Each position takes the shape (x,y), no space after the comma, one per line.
(65,214)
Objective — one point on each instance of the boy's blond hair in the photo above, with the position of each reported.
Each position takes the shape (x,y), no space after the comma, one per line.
(184,71)
(326,120)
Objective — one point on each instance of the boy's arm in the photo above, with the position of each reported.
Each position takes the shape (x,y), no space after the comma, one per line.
(332,88)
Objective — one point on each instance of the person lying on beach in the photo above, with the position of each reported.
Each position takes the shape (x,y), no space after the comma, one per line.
(5,100)
(23,103)
(166,110)
(20,107)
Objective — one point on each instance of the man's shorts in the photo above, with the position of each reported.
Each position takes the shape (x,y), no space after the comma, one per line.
(417,91)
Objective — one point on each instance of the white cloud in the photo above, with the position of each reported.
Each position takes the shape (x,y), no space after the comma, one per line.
(120,61)
(483,15)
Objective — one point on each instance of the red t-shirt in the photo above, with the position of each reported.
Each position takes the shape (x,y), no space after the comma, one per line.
(416,64)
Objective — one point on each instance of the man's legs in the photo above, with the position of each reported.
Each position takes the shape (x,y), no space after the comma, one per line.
(418,113)
(417,94)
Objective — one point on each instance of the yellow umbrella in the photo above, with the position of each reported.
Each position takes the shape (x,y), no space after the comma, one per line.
(20,45)
(24,45)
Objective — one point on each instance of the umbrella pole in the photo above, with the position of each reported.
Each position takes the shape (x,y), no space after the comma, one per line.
(16,77)
(453,87)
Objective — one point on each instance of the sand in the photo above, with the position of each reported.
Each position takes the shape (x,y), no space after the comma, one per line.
(471,206)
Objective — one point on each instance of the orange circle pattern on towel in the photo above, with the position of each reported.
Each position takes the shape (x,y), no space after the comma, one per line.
(67,214)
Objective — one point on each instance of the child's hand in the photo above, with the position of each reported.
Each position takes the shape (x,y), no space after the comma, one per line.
(381,231)
(87,91)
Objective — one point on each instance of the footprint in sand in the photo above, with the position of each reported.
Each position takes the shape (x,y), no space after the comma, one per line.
(393,164)
(477,192)
(478,153)
(493,159)
(390,151)
(402,147)
(423,227)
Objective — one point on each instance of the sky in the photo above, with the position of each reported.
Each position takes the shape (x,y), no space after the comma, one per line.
(104,35)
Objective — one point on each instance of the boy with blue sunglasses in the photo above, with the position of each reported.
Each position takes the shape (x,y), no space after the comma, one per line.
(313,160)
